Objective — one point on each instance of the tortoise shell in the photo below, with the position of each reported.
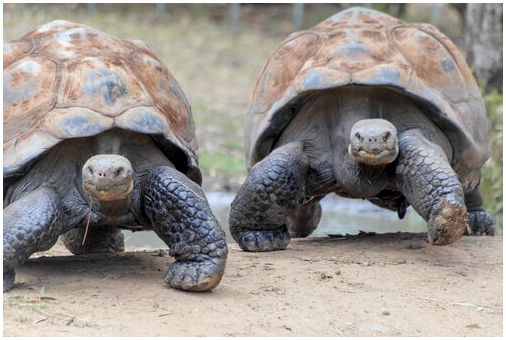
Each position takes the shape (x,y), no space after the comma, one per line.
(66,80)
(365,47)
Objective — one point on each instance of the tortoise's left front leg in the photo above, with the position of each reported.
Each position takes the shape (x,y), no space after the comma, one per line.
(302,221)
(181,217)
(429,183)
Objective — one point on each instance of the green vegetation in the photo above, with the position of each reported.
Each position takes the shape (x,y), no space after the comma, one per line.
(492,172)
(15,300)
(20,300)
(22,318)
(221,162)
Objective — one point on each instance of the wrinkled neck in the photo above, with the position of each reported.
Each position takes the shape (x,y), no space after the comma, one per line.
(109,208)
(361,180)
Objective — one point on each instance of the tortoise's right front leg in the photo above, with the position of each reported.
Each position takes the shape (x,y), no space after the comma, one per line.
(481,222)
(181,217)
(31,224)
(274,188)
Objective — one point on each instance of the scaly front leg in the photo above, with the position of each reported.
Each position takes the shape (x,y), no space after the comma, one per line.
(429,183)
(181,217)
(274,188)
(481,222)
(31,224)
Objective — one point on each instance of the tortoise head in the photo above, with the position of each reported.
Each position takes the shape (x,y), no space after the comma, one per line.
(373,142)
(108,178)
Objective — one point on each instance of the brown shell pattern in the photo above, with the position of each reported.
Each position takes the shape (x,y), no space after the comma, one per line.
(366,47)
(66,80)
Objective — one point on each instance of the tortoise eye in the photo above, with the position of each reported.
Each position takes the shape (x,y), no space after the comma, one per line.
(119,171)
(387,135)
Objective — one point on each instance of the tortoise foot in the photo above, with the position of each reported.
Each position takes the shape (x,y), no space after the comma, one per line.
(195,275)
(448,225)
(263,240)
(481,223)
(9,277)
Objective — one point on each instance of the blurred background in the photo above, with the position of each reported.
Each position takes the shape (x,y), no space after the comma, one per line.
(216,52)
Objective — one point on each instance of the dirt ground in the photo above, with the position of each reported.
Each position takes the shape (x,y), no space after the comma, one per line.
(389,285)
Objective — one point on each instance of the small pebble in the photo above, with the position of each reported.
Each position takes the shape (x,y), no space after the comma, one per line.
(385,312)
(324,276)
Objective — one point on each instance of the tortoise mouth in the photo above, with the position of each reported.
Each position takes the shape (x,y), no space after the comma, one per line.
(374,157)
(108,192)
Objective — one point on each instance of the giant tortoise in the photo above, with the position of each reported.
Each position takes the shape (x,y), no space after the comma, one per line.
(98,137)
(365,106)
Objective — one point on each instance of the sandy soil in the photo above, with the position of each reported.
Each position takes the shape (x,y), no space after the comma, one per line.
(388,285)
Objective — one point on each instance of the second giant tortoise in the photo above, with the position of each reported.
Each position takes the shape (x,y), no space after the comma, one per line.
(365,106)
(98,135)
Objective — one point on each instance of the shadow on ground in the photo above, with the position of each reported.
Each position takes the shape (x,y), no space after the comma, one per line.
(385,284)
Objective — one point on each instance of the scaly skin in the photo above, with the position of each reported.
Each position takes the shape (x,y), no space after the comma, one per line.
(181,217)
(302,221)
(125,181)
(98,240)
(352,139)
(274,186)
(481,222)
(31,224)
(432,187)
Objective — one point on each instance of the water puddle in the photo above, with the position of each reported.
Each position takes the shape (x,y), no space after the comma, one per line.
(340,216)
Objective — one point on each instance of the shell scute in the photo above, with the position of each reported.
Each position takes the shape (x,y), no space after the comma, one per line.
(80,41)
(66,80)
(16,50)
(50,28)
(291,56)
(29,93)
(103,85)
(79,121)
(366,47)
(143,119)
(166,92)
(439,69)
